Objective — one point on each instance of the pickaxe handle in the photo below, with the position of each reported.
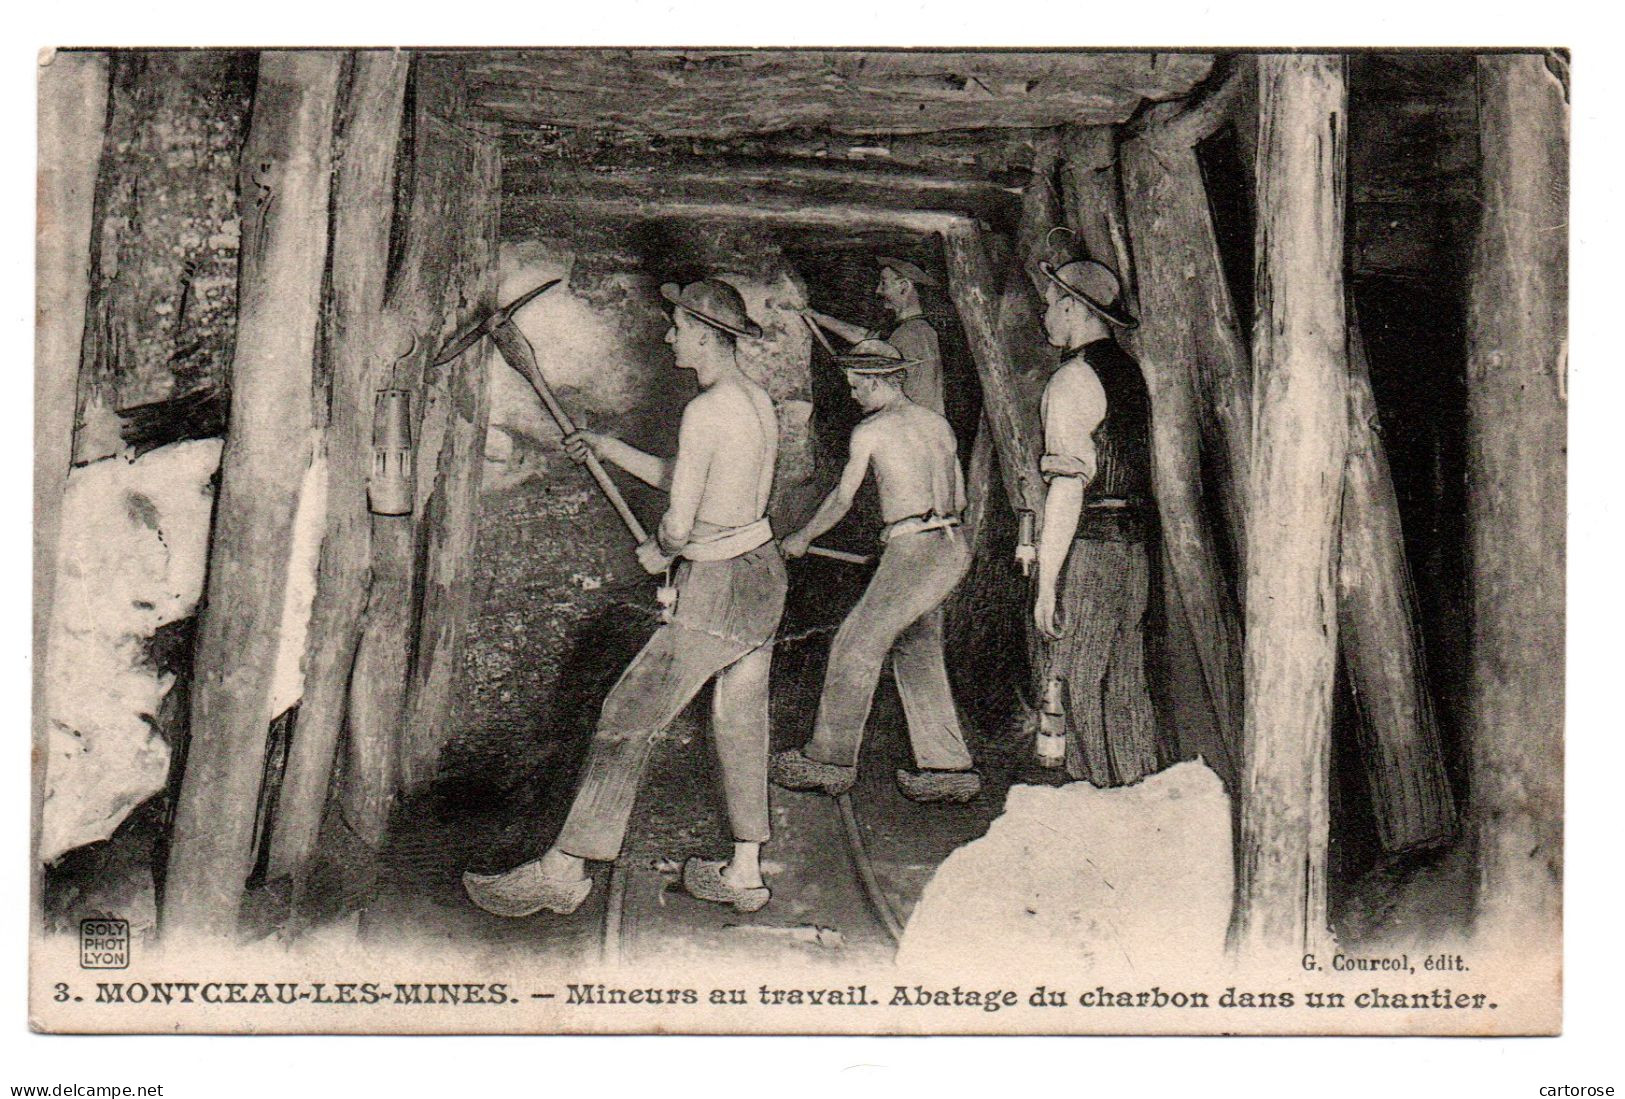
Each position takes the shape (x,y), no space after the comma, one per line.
(839,555)
(516,350)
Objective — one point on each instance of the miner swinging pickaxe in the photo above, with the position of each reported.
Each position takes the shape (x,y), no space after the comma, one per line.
(517,353)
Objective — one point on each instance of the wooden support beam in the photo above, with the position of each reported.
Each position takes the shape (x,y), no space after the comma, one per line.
(451,513)
(1092,191)
(753,182)
(1377,632)
(72,106)
(432,291)
(413,322)
(1517,406)
(1184,122)
(975,293)
(287,162)
(1184,303)
(1021,302)
(1170,205)
(363,202)
(712,93)
(535,210)
(1301,417)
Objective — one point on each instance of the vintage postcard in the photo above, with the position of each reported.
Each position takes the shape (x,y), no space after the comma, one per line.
(866,541)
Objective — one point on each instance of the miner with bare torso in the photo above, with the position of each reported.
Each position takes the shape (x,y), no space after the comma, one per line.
(911,335)
(730,587)
(912,452)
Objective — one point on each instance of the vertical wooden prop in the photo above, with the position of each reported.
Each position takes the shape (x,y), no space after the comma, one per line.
(363,202)
(72,103)
(451,518)
(286,165)
(1300,421)
(1517,404)
(1093,196)
(426,301)
(975,292)
(1183,298)
(1377,632)
(1020,327)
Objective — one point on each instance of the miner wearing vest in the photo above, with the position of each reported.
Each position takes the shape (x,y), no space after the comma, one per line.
(730,586)
(912,452)
(911,335)
(1093,565)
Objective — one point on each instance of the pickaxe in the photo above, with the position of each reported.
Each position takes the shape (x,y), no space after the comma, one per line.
(518,353)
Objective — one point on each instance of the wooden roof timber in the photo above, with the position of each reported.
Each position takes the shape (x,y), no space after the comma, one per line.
(765,185)
(711,93)
(530,210)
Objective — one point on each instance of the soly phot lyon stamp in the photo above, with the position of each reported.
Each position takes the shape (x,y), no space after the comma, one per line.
(104,944)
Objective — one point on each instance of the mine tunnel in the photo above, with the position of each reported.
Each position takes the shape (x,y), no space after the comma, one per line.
(433,674)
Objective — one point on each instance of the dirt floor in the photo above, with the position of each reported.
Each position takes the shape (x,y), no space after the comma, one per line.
(526,718)
(544,650)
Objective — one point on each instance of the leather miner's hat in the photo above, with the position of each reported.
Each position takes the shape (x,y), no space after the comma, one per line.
(872,357)
(912,272)
(1095,285)
(715,303)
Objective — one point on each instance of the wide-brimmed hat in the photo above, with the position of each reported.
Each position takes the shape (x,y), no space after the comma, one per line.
(714,302)
(912,272)
(1095,285)
(872,357)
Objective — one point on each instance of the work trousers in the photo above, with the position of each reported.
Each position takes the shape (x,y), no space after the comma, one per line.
(901,613)
(1111,733)
(727,613)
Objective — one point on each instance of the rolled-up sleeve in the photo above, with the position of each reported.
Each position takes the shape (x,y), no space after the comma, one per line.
(1074,404)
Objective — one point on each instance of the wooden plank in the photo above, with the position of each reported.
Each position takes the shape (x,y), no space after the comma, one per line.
(975,293)
(1182,293)
(1092,191)
(72,107)
(287,162)
(1381,644)
(451,516)
(424,305)
(363,204)
(525,214)
(1517,402)
(1206,333)
(1301,417)
(705,93)
(742,180)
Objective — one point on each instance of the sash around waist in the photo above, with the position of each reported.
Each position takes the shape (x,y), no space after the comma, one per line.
(728,542)
(916,524)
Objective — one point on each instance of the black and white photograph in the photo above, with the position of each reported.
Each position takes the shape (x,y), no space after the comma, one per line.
(578,540)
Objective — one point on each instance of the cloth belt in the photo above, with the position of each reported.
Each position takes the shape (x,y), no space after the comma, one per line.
(916,524)
(729,542)
(1113,519)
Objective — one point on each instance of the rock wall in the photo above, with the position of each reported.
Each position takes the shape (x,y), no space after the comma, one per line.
(132,554)
(162,315)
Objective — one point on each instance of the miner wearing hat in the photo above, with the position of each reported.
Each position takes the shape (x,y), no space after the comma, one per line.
(715,542)
(911,335)
(1093,565)
(912,452)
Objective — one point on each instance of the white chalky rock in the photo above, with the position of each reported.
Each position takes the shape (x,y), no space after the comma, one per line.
(1080,880)
(134,544)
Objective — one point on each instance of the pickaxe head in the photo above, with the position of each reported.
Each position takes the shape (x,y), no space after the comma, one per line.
(463,340)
